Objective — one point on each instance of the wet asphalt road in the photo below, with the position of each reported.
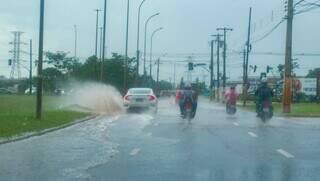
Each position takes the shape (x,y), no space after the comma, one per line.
(146,147)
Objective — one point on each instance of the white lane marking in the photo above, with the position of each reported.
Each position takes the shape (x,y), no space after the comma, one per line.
(236,124)
(253,135)
(285,153)
(135,151)
(156,124)
(149,134)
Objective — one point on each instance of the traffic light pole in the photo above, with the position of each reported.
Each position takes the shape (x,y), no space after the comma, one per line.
(287,94)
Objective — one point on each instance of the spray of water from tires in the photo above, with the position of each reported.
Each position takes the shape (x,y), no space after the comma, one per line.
(94,97)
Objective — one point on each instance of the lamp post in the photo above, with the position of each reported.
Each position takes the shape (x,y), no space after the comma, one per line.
(145,42)
(125,81)
(151,46)
(138,39)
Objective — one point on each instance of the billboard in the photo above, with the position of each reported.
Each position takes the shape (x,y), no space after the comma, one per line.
(307,86)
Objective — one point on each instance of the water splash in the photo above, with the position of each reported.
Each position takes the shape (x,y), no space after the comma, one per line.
(95,98)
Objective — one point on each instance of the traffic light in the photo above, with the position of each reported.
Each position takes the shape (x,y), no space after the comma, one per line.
(268,69)
(9,62)
(190,66)
(255,68)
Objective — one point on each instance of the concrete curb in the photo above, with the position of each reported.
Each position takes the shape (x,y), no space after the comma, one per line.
(48,130)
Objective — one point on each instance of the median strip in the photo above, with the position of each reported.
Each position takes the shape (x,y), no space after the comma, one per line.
(135,152)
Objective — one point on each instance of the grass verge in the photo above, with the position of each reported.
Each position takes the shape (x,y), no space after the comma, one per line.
(297,110)
(17,115)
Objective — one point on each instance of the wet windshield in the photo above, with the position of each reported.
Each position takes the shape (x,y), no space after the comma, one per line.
(159,90)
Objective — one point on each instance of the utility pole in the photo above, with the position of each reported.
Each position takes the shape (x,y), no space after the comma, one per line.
(100,53)
(174,74)
(125,81)
(318,87)
(218,41)
(244,88)
(288,59)
(75,41)
(248,49)
(211,71)
(158,62)
(97,32)
(30,70)
(103,40)
(40,61)
(224,78)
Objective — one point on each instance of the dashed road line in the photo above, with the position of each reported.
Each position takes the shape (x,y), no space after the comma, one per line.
(236,124)
(135,151)
(253,134)
(285,153)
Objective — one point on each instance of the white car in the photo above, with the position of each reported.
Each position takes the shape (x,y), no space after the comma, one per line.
(140,98)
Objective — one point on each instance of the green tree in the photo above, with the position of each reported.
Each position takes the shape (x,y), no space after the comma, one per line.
(313,73)
(52,77)
(62,62)
(281,70)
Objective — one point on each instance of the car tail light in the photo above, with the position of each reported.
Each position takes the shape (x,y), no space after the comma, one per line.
(127,97)
(151,98)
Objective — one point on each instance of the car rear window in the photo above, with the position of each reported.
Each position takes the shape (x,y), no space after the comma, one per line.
(146,91)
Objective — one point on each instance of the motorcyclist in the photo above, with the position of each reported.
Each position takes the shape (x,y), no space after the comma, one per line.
(231,96)
(188,93)
(263,93)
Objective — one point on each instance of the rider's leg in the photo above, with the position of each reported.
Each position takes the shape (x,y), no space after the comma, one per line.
(181,107)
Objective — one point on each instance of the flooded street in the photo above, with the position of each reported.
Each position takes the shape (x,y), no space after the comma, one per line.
(145,146)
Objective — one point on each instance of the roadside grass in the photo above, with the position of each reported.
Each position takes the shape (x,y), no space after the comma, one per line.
(297,110)
(17,115)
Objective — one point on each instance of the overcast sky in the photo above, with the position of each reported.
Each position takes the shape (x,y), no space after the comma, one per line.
(187,24)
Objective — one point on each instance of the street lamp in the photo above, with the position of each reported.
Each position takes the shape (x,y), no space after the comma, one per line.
(151,45)
(125,84)
(145,42)
(138,39)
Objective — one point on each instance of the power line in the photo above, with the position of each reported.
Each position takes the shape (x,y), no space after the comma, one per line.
(269,32)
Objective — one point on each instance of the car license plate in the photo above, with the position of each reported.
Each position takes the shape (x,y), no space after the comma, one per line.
(265,109)
(139,100)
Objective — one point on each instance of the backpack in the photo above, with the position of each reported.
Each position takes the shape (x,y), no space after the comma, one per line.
(188,95)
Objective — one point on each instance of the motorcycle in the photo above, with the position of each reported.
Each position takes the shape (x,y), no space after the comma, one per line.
(231,109)
(188,111)
(265,111)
